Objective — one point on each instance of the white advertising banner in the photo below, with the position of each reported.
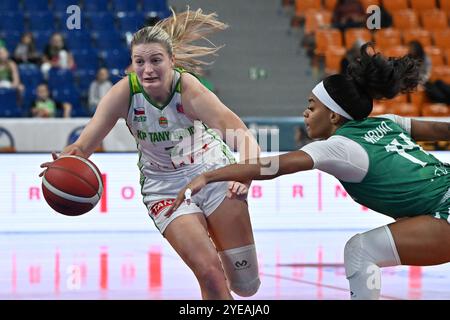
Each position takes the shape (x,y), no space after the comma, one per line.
(306,200)
(46,135)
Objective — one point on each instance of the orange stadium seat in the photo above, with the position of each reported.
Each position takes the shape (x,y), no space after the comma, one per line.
(445,6)
(435,55)
(422,5)
(395,51)
(333,58)
(301,6)
(326,38)
(379,108)
(395,5)
(434,20)
(367,3)
(315,19)
(440,73)
(353,34)
(329,4)
(435,110)
(418,97)
(421,35)
(405,109)
(447,56)
(388,37)
(405,19)
(441,39)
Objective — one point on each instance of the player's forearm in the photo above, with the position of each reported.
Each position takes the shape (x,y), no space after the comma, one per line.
(236,172)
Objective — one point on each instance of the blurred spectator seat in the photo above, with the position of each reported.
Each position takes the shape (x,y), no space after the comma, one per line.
(395,5)
(436,110)
(326,38)
(9,107)
(434,20)
(301,7)
(445,6)
(124,5)
(436,55)
(351,35)
(421,35)
(34,6)
(405,19)
(442,38)
(422,5)
(395,51)
(388,37)
(333,58)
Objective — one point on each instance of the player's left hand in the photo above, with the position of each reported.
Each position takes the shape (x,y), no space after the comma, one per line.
(237,189)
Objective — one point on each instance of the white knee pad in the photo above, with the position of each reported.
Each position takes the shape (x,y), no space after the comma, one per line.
(241,269)
(363,255)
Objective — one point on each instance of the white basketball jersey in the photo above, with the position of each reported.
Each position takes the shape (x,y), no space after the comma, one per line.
(170,143)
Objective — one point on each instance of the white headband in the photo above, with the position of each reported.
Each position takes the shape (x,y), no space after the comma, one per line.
(321,93)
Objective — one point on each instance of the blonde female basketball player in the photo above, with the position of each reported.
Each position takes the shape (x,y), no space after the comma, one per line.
(378,163)
(170,114)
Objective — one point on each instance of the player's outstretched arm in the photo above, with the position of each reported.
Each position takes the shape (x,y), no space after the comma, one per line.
(267,168)
(112,106)
(430,130)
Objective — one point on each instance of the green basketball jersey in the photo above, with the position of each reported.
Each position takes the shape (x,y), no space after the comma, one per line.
(402,179)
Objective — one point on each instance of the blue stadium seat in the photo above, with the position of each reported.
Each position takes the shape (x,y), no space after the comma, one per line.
(41,39)
(124,5)
(30,75)
(61,6)
(96,5)
(9,107)
(84,79)
(11,39)
(156,7)
(60,78)
(35,5)
(12,21)
(116,59)
(71,95)
(86,58)
(77,39)
(131,21)
(9,5)
(109,40)
(102,21)
(42,21)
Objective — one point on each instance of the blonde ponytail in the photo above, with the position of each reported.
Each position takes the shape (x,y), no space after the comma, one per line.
(178,32)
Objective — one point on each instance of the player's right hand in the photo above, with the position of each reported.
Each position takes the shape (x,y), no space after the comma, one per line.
(69,150)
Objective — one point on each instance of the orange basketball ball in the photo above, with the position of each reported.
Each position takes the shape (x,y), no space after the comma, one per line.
(72,185)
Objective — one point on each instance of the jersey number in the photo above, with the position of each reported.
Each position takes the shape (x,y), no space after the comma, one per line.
(395,146)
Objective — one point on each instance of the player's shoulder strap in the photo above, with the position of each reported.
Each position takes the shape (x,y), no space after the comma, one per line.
(181,70)
(135,86)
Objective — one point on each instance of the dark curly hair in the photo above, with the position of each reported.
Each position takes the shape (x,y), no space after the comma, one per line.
(372,76)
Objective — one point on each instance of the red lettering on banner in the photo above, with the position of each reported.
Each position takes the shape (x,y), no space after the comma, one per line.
(128,272)
(104,270)
(154,269)
(127,193)
(35,274)
(340,191)
(34,192)
(256,191)
(104,199)
(156,208)
(297,190)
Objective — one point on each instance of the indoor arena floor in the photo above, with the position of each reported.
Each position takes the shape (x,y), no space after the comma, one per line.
(295,264)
